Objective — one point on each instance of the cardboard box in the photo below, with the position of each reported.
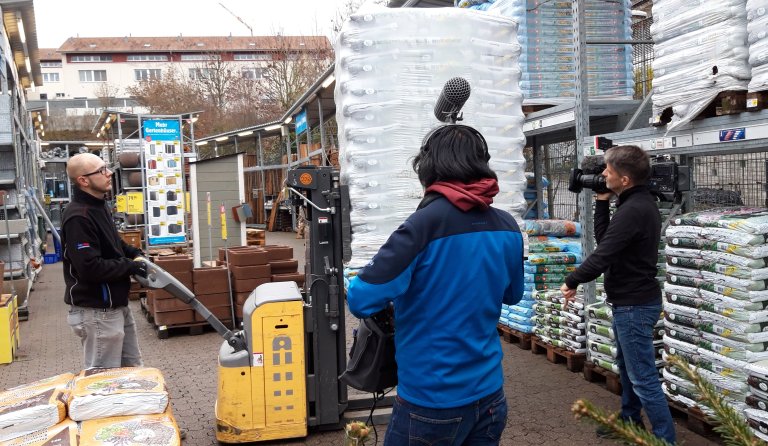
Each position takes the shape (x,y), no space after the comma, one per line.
(251,272)
(248,285)
(278,252)
(182,317)
(284,266)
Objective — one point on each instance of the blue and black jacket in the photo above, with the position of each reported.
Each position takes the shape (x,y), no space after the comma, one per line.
(97,263)
(447,272)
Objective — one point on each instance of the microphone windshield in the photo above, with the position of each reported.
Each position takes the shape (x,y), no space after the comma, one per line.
(455,93)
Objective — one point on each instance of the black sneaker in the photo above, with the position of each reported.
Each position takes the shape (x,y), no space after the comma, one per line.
(182,433)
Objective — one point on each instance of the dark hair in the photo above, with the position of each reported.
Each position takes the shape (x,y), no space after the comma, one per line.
(453,153)
(630,161)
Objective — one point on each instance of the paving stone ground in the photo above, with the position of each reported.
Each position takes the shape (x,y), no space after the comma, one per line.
(539,393)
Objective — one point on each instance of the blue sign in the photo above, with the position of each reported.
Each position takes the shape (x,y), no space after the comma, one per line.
(732,134)
(161,130)
(168,240)
(301,122)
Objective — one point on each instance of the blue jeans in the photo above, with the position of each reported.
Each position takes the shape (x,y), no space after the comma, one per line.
(478,423)
(108,336)
(636,357)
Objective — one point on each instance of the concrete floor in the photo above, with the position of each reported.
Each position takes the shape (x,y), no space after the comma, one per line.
(540,393)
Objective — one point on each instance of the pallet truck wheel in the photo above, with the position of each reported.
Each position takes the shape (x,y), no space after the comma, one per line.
(162,333)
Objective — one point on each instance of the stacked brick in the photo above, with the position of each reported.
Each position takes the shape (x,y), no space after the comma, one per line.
(251,266)
(165,308)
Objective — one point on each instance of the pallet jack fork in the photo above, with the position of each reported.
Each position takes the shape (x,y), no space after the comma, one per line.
(278,376)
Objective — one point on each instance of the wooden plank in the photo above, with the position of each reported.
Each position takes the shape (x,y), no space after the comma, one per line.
(574,362)
(274,211)
(594,373)
(523,340)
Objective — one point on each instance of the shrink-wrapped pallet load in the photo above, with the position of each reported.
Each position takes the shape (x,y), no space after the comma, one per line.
(391,65)
(100,393)
(700,51)
(757,37)
(716,300)
(548,63)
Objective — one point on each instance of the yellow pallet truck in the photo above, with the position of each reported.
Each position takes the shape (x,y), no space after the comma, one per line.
(278,375)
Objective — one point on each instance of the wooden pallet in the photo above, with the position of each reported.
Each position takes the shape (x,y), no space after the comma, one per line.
(594,373)
(725,103)
(523,340)
(757,100)
(574,362)
(191,329)
(696,421)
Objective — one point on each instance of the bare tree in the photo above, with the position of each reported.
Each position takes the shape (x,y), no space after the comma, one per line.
(106,94)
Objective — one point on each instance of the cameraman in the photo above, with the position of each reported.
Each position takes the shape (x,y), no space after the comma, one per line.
(627,251)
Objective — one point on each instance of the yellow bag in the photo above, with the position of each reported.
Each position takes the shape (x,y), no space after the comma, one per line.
(137,430)
(101,393)
(62,434)
(62,382)
(32,413)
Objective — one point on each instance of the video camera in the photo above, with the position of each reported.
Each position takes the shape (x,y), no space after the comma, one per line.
(667,179)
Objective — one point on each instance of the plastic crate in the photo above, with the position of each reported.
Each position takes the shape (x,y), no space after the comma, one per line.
(50,258)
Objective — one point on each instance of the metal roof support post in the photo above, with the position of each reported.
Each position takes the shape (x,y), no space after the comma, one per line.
(581,115)
(263,179)
(537,177)
(322,130)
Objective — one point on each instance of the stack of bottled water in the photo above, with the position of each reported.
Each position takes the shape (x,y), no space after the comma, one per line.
(391,65)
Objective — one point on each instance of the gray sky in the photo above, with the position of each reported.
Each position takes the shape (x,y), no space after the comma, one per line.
(58,20)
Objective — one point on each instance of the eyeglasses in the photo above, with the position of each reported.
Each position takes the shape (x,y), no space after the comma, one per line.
(102,170)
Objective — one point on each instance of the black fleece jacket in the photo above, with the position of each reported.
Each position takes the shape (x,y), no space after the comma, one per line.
(97,263)
(627,249)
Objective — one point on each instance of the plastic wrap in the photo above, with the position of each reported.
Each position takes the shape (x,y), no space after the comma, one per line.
(757,37)
(391,65)
(701,50)
(62,434)
(100,393)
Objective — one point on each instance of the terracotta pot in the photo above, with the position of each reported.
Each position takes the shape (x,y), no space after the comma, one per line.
(134,179)
(129,159)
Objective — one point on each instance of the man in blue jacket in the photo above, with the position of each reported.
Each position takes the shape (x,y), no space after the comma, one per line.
(627,252)
(447,270)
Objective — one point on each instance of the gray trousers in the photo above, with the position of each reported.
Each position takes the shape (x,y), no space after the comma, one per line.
(108,336)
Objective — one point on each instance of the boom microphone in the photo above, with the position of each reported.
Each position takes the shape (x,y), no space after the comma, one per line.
(455,93)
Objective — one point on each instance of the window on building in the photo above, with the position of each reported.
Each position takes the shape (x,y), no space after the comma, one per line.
(147,58)
(43,96)
(91,58)
(199,73)
(51,77)
(252,56)
(252,73)
(194,57)
(60,95)
(93,75)
(146,74)
(56,64)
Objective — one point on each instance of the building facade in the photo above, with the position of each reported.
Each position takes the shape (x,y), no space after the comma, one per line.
(98,67)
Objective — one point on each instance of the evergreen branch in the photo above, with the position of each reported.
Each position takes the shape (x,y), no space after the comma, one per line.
(624,430)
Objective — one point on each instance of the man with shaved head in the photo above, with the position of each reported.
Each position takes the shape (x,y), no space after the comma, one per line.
(98,265)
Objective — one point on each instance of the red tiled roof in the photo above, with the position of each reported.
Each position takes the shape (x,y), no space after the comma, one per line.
(191,44)
(49,54)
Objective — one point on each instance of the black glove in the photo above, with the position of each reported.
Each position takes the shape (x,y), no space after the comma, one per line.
(139,268)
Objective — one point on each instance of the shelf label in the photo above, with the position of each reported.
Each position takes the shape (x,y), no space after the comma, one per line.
(121,203)
(135,203)
(733,134)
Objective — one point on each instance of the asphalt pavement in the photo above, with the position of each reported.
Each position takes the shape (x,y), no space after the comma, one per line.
(540,394)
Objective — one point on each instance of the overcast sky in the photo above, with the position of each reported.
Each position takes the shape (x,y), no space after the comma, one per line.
(57,20)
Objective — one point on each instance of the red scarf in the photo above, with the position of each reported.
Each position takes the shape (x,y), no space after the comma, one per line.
(467,196)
